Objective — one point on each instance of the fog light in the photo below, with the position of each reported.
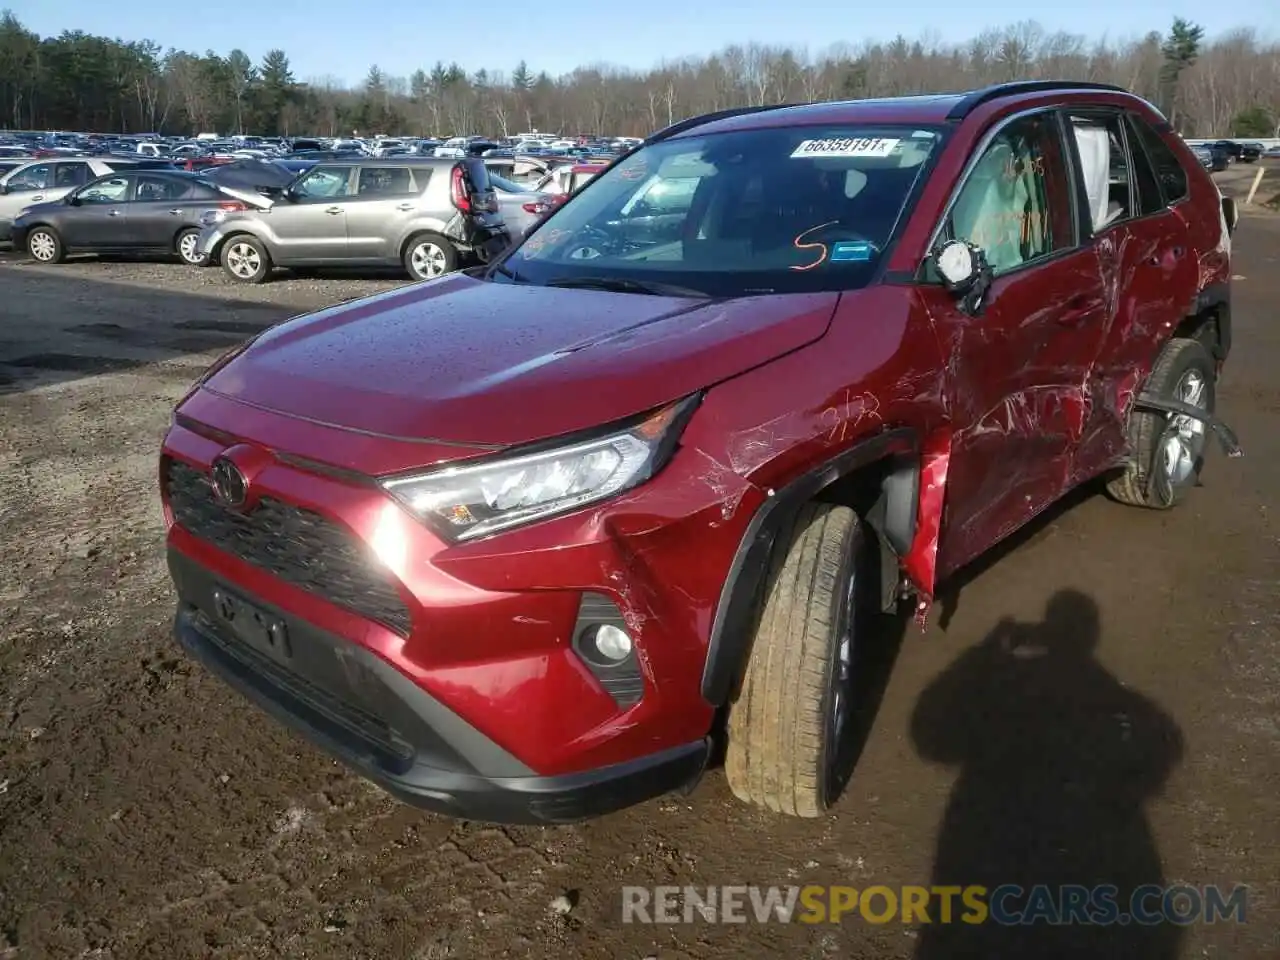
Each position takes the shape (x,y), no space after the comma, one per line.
(607,644)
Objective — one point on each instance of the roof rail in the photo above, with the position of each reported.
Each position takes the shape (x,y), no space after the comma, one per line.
(971,101)
(680,126)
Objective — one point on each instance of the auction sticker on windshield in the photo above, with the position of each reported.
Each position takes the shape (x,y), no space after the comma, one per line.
(846,147)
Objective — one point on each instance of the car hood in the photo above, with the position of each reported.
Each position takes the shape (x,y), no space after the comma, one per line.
(474,362)
(39,209)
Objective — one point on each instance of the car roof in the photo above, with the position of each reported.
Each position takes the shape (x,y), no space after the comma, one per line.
(933,109)
(386,161)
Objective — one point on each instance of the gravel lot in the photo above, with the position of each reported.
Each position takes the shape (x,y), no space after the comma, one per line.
(147,812)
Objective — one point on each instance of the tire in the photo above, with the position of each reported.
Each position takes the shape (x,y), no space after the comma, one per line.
(784,750)
(184,245)
(45,246)
(245,259)
(1155,478)
(429,255)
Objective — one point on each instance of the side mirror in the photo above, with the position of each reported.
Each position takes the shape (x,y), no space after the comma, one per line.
(1230,213)
(4,188)
(73,200)
(965,272)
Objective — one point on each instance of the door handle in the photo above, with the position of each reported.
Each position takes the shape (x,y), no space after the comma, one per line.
(113,213)
(175,213)
(406,207)
(38,196)
(333,210)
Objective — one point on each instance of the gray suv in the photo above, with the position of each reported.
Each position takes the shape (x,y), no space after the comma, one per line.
(427,214)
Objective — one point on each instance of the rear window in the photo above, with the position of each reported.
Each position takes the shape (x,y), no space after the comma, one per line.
(740,213)
(1169,171)
(507,186)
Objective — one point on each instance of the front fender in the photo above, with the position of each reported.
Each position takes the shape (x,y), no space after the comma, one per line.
(895,516)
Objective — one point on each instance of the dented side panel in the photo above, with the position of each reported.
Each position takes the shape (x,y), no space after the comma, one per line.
(1017,395)
(1150,271)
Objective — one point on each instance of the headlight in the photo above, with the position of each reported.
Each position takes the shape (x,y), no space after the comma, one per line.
(463,503)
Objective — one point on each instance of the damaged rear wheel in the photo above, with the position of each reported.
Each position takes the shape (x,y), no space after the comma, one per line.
(788,745)
(1168,448)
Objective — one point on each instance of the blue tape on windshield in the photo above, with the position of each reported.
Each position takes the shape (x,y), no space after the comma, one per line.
(855,251)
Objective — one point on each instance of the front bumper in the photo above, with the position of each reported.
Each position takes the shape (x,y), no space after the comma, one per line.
(373,718)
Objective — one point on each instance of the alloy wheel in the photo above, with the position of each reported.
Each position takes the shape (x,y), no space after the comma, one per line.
(42,245)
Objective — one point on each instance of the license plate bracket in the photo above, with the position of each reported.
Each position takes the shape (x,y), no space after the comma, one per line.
(253,626)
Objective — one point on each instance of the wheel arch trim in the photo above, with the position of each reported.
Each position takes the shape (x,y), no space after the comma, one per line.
(893,518)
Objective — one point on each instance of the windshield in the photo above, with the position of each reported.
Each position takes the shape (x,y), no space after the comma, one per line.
(756,211)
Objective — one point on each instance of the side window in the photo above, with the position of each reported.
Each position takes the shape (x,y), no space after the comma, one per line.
(107,190)
(71,174)
(37,177)
(325,183)
(1169,170)
(378,182)
(1015,203)
(156,189)
(1105,168)
(1150,199)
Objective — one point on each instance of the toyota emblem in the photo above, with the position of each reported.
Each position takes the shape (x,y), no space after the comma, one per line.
(229,484)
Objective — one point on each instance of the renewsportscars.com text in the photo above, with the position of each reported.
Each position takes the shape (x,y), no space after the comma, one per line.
(1007,905)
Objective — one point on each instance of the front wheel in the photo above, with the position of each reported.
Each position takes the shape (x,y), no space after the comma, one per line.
(428,256)
(788,745)
(1168,448)
(245,259)
(45,246)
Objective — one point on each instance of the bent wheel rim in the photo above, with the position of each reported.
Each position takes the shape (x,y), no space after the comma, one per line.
(1184,437)
(243,260)
(429,260)
(42,245)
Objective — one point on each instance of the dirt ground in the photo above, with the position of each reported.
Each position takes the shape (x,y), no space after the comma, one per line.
(148,812)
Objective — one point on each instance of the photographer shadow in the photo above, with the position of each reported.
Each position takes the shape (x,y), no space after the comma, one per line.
(1057,760)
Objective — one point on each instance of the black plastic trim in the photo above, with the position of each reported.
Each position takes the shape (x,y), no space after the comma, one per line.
(1225,436)
(680,126)
(971,101)
(1217,297)
(730,629)
(622,680)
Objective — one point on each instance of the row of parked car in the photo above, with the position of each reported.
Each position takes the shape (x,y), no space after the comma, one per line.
(430,215)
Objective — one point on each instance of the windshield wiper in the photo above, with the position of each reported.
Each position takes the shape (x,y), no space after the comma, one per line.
(507,272)
(622,285)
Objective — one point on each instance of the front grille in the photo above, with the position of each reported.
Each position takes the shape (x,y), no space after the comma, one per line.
(299,546)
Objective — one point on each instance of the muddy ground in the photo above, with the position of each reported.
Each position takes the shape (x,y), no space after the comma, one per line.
(147,812)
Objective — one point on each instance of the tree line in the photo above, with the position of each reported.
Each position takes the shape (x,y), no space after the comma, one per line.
(1228,85)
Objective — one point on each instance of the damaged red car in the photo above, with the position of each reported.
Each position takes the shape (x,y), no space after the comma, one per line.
(512,542)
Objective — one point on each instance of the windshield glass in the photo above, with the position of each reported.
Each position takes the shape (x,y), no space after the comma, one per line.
(756,211)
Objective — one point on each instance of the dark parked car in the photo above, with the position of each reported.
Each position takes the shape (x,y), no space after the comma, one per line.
(1251,152)
(151,211)
(508,542)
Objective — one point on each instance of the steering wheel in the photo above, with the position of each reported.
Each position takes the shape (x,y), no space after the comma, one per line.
(591,244)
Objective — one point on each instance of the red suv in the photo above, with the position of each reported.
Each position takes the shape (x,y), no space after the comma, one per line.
(508,542)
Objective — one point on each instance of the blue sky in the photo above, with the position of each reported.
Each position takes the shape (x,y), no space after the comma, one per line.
(342,39)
